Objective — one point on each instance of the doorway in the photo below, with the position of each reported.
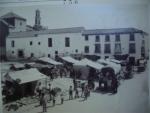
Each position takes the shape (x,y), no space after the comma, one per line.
(132,60)
(20,53)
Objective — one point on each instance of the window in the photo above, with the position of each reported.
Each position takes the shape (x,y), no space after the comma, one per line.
(143,42)
(49,55)
(12,43)
(97,39)
(107,48)
(20,23)
(31,43)
(12,52)
(132,48)
(97,48)
(32,55)
(35,35)
(118,48)
(86,37)
(86,49)
(76,50)
(49,42)
(20,53)
(106,57)
(132,38)
(56,52)
(142,49)
(107,38)
(39,43)
(117,37)
(67,42)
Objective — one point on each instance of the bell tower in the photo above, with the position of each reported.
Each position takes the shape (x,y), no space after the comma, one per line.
(37,25)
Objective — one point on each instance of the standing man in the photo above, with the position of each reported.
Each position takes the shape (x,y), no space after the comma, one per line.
(114,85)
(82,89)
(44,102)
(86,93)
(49,90)
(70,93)
(62,98)
(54,100)
(53,93)
(76,93)
(74,83)
(39,89)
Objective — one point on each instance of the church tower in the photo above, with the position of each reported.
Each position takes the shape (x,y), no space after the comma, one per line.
(37,25)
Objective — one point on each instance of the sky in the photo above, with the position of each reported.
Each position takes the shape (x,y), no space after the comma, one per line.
(98,14)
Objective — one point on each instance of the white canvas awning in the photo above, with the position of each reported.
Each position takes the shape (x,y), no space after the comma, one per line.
(70,59)
(114,60)
(92,64)
(38,65)
(18,65)
(26,76)
(49,60)
(116,67)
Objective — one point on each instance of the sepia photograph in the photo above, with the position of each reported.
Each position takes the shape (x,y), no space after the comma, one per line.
(74,56)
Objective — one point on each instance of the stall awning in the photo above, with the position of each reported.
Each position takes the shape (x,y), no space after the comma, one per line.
(26,76)
(70,59)
(114,61)
(92,64)
(116,67)
(18,65)
(49,60)
(38,65)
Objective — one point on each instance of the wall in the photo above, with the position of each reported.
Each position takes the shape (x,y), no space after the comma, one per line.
(3,35)
(18,27)
(77,41)
(43,49)
(124,40)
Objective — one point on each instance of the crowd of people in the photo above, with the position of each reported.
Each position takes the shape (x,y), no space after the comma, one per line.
(108,83)
(50,94)
(61,71)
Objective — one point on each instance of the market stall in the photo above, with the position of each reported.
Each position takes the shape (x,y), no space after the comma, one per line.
(20,83)
(49,60)
(116,67)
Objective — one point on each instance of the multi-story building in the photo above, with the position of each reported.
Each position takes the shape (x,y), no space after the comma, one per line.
(10,22)
(18,22)
(76,40)
(4,30)
(112,42)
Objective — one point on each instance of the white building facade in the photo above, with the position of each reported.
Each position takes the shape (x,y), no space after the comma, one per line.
(18,23)
(77,41)
(24,41)
(41,45)
(112,42)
